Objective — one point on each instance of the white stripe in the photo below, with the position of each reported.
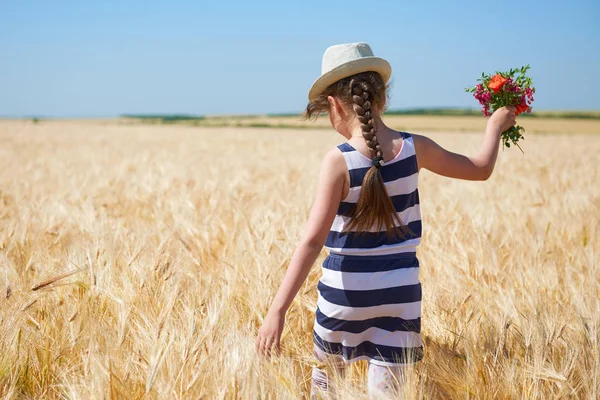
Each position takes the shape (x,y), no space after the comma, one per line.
(407,216)
(402,310)
(408,246)
(373,335)
(410,146)
(354,159)
(370,280)
(404,185)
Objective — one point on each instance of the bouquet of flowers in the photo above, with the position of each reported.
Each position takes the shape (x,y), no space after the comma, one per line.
(504,89)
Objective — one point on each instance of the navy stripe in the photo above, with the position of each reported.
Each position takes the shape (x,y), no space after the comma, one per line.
(370,240)
(389,172)
(398,355)
(390,324)
(370,298)
(371,263)
(346,148)
(401,202)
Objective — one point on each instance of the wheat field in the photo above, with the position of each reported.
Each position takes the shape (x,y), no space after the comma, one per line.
(138,262)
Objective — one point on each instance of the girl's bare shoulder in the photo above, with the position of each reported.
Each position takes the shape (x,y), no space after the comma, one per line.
(334,161)
(422,142)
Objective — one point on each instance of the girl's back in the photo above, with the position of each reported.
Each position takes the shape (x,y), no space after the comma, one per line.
(400,176)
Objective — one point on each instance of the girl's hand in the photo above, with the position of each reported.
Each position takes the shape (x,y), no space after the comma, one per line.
(503,118)
(269,334)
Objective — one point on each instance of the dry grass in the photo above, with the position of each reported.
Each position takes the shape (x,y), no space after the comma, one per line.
(139,261)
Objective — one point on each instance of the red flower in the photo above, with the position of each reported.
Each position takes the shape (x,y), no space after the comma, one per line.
(521,108)
(496,83)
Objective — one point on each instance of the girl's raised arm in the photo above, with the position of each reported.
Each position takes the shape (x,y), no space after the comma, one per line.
(329,194)
(436,159)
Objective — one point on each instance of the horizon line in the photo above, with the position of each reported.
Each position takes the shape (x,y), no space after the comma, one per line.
(406,111)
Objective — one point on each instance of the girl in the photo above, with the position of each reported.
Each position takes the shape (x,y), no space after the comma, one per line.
(367,215)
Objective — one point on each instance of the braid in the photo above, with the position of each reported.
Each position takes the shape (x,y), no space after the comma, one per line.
(361,99)
(365,93)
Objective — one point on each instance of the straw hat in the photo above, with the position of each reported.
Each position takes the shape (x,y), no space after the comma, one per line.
(343,60)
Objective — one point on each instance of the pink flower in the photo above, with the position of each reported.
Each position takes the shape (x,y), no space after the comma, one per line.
(529,93)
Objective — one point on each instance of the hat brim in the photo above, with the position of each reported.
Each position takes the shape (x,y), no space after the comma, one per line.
(350,68)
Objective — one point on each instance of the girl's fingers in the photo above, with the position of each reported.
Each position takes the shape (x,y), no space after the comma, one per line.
(276,345)
(259,344)
(262,348)
(268,344)
(265,345)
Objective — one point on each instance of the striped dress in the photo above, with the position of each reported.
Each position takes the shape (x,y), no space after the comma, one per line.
(369,303)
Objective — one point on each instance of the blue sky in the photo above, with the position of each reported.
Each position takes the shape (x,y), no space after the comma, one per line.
(108,57)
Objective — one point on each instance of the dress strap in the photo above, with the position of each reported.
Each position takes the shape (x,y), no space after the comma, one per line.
(345,147)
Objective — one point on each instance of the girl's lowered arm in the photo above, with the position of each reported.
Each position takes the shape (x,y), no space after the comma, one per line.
(329,193)
(324,209)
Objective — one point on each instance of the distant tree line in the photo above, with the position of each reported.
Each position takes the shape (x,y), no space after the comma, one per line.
(474,112)
(164,118)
